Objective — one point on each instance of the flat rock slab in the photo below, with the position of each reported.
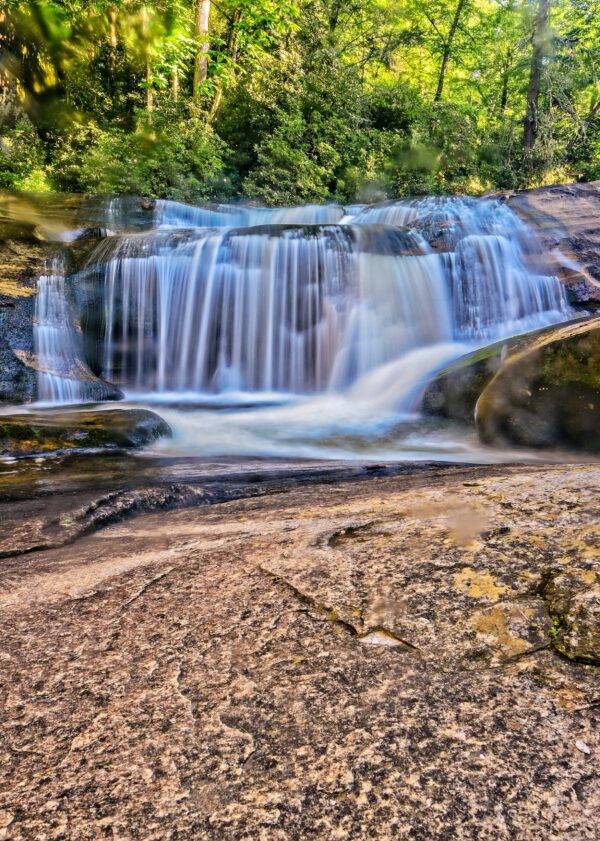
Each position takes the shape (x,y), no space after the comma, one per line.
(51,430)
(384,659)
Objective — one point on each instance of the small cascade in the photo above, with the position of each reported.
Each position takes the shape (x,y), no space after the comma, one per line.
(63,376)
(175,214)
(491,286)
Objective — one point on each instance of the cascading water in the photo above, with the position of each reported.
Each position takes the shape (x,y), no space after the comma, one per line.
(56,341)
(296,310)
(341,313)
(304,308)
(62,376)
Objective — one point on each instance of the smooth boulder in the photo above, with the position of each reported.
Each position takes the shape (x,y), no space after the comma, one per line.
(547,392)
(55,430)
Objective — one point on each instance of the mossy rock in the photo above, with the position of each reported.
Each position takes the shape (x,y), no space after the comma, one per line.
(573,600)
(547,392)
(52,430)
(454,391)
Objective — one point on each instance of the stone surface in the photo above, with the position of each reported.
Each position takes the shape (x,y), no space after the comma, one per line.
(376,659)
(566,218)
(60,429)
(21,263)
(23,259)
(454,391)
(547,391)
(573,599)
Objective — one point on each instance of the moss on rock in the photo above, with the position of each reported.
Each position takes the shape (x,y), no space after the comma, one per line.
(547,392)
(49,431)
(573,599)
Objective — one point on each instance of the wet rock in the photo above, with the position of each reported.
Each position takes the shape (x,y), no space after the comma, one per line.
(547,392)
(573,600)
(566,219)
(48,431)
(454,391)
(22,260)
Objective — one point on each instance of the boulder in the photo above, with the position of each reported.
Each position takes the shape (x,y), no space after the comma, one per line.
(547,391)
(454,391)
(51,430)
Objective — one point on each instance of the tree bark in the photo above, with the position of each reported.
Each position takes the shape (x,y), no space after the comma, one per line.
(201,62)
(446,55)
(582,129)
(232,49)
(505,78)
(149,92)
(539,39)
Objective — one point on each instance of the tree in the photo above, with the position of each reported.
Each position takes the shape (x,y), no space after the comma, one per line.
(201,62)
(447,52)
(538,57)
(289,101)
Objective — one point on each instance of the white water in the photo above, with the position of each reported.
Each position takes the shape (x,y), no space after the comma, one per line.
(337,317)
(61,373)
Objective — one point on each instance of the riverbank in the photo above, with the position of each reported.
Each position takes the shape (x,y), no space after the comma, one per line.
(408,654)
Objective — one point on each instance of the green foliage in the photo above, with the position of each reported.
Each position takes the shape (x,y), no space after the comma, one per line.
(177,159)
(316,100)
(22,160)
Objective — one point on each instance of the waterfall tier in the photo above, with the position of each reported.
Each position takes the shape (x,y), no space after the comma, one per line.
(295,300)
(310,307)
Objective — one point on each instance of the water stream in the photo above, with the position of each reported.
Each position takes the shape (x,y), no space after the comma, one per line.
(305,331)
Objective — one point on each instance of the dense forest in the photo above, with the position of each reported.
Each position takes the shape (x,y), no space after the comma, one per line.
(284,101)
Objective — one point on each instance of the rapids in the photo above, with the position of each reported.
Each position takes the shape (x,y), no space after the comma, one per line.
(305,331)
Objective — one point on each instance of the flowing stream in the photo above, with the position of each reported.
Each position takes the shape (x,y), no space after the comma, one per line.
(305,331)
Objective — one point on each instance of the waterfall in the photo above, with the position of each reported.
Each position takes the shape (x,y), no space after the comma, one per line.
(310,299)
(313,300)
(62,374)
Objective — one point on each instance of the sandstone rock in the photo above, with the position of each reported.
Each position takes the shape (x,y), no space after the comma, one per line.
(48,431)
(547,392)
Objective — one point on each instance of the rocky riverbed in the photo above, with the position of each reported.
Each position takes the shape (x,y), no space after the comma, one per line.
(411,655)
(251,648)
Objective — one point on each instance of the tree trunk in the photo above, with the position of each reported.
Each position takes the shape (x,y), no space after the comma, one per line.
(540,35)
(505,78)
(201,62)
(232,49)
(149,91)
(147,60)
(582,129)
(448,50)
